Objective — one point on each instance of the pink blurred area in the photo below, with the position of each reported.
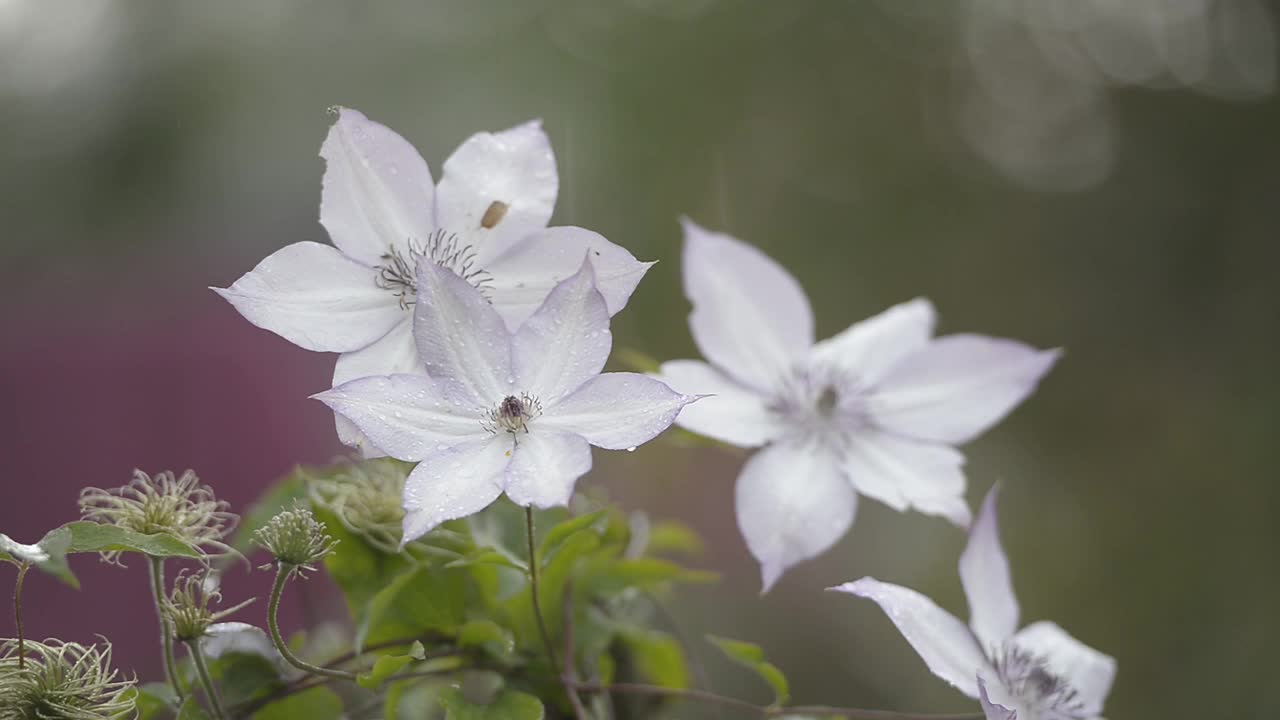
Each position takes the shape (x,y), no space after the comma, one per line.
(133,373)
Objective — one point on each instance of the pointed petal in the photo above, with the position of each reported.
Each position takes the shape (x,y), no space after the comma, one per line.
(871,347)
(407,416)
(377,190)
(792,503)
(731,412)
(521,277)
(394,354)
(616,411)
(236,637)
(993,711)
(455,483)
(497,188)
(984,571)
(544,467)
(750,317)
(904,473)
(1089,672)
(941,640)
(959,386)
(316,298)
(566,342)
(460,337)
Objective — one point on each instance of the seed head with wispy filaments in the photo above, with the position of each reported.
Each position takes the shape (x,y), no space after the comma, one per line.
(366,499)
(62,680)
(187,606)
(179,506)
(295,539)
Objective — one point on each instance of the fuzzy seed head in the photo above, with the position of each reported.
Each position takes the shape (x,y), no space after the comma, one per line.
(62,680)
(295,538)
(367,499)
(187,606)
(179,506)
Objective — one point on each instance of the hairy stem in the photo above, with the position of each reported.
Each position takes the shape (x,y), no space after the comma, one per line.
(534,591)
(156,567)
(17,613)
(277,589)
(767,710)
(202,670)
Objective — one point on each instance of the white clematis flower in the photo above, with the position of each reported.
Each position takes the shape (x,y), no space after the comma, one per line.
(875,409)
(1036,673)
(499,411)
(486,221)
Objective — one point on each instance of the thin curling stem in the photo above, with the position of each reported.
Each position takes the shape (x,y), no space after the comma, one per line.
(156,567)
(206,681)
(273,606)
(17,613)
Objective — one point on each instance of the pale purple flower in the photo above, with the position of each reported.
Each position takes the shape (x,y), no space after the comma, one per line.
(486,221)
(874,410)
(1036,673)
(499,411)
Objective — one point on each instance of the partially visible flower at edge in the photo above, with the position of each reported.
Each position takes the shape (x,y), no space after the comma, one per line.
(178,506)
(1036,673)
(486,221)
(874,410)
(502,412)
(62,680)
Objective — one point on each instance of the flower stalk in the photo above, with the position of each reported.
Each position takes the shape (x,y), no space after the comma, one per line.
(283,573)
(155,567)
(206,680)
(17,613)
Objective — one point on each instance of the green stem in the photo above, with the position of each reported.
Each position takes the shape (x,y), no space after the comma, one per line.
(277,589)
(156,567)
(565,681)
(202,670)
(17,613)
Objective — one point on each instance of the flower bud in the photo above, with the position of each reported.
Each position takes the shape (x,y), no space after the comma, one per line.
(187,607)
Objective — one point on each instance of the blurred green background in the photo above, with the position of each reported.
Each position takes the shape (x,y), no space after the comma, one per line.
(1095,175)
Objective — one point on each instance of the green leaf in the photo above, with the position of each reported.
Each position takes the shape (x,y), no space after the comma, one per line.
(507,705)
(279,496)
(751,656)
(658,657)
(673,537)
(153,699)
(359,569)
(318,703)
(610,577)
(389,665)
(558,533)
(551,588)
(96,537)
(488,556)
(192,710)
(415,602)
(49,555)
(488,636)
(242,677)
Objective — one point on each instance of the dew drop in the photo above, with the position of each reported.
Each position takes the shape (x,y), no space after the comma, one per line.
(631,449)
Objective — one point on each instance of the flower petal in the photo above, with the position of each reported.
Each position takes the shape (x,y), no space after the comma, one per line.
(460,337)
(237,637)
(394,354)
(871,347)
(903,473)
(316,298)
(616,411)
(1089,672)
(958,386)
(993,711)
(941,640)
(750,317)
(521,277)
(792,503)
(730,412)
(566,342)
(544,467)
(455,483)
(407,416)
(984,571)
(377,190)
(497,188)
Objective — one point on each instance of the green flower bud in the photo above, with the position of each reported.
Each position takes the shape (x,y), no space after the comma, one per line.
(295,538)
(181,507)
(62,680)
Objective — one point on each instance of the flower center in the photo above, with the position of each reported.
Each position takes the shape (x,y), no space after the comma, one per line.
(513,414)
(820,400)
(1042,694)
(399,270)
